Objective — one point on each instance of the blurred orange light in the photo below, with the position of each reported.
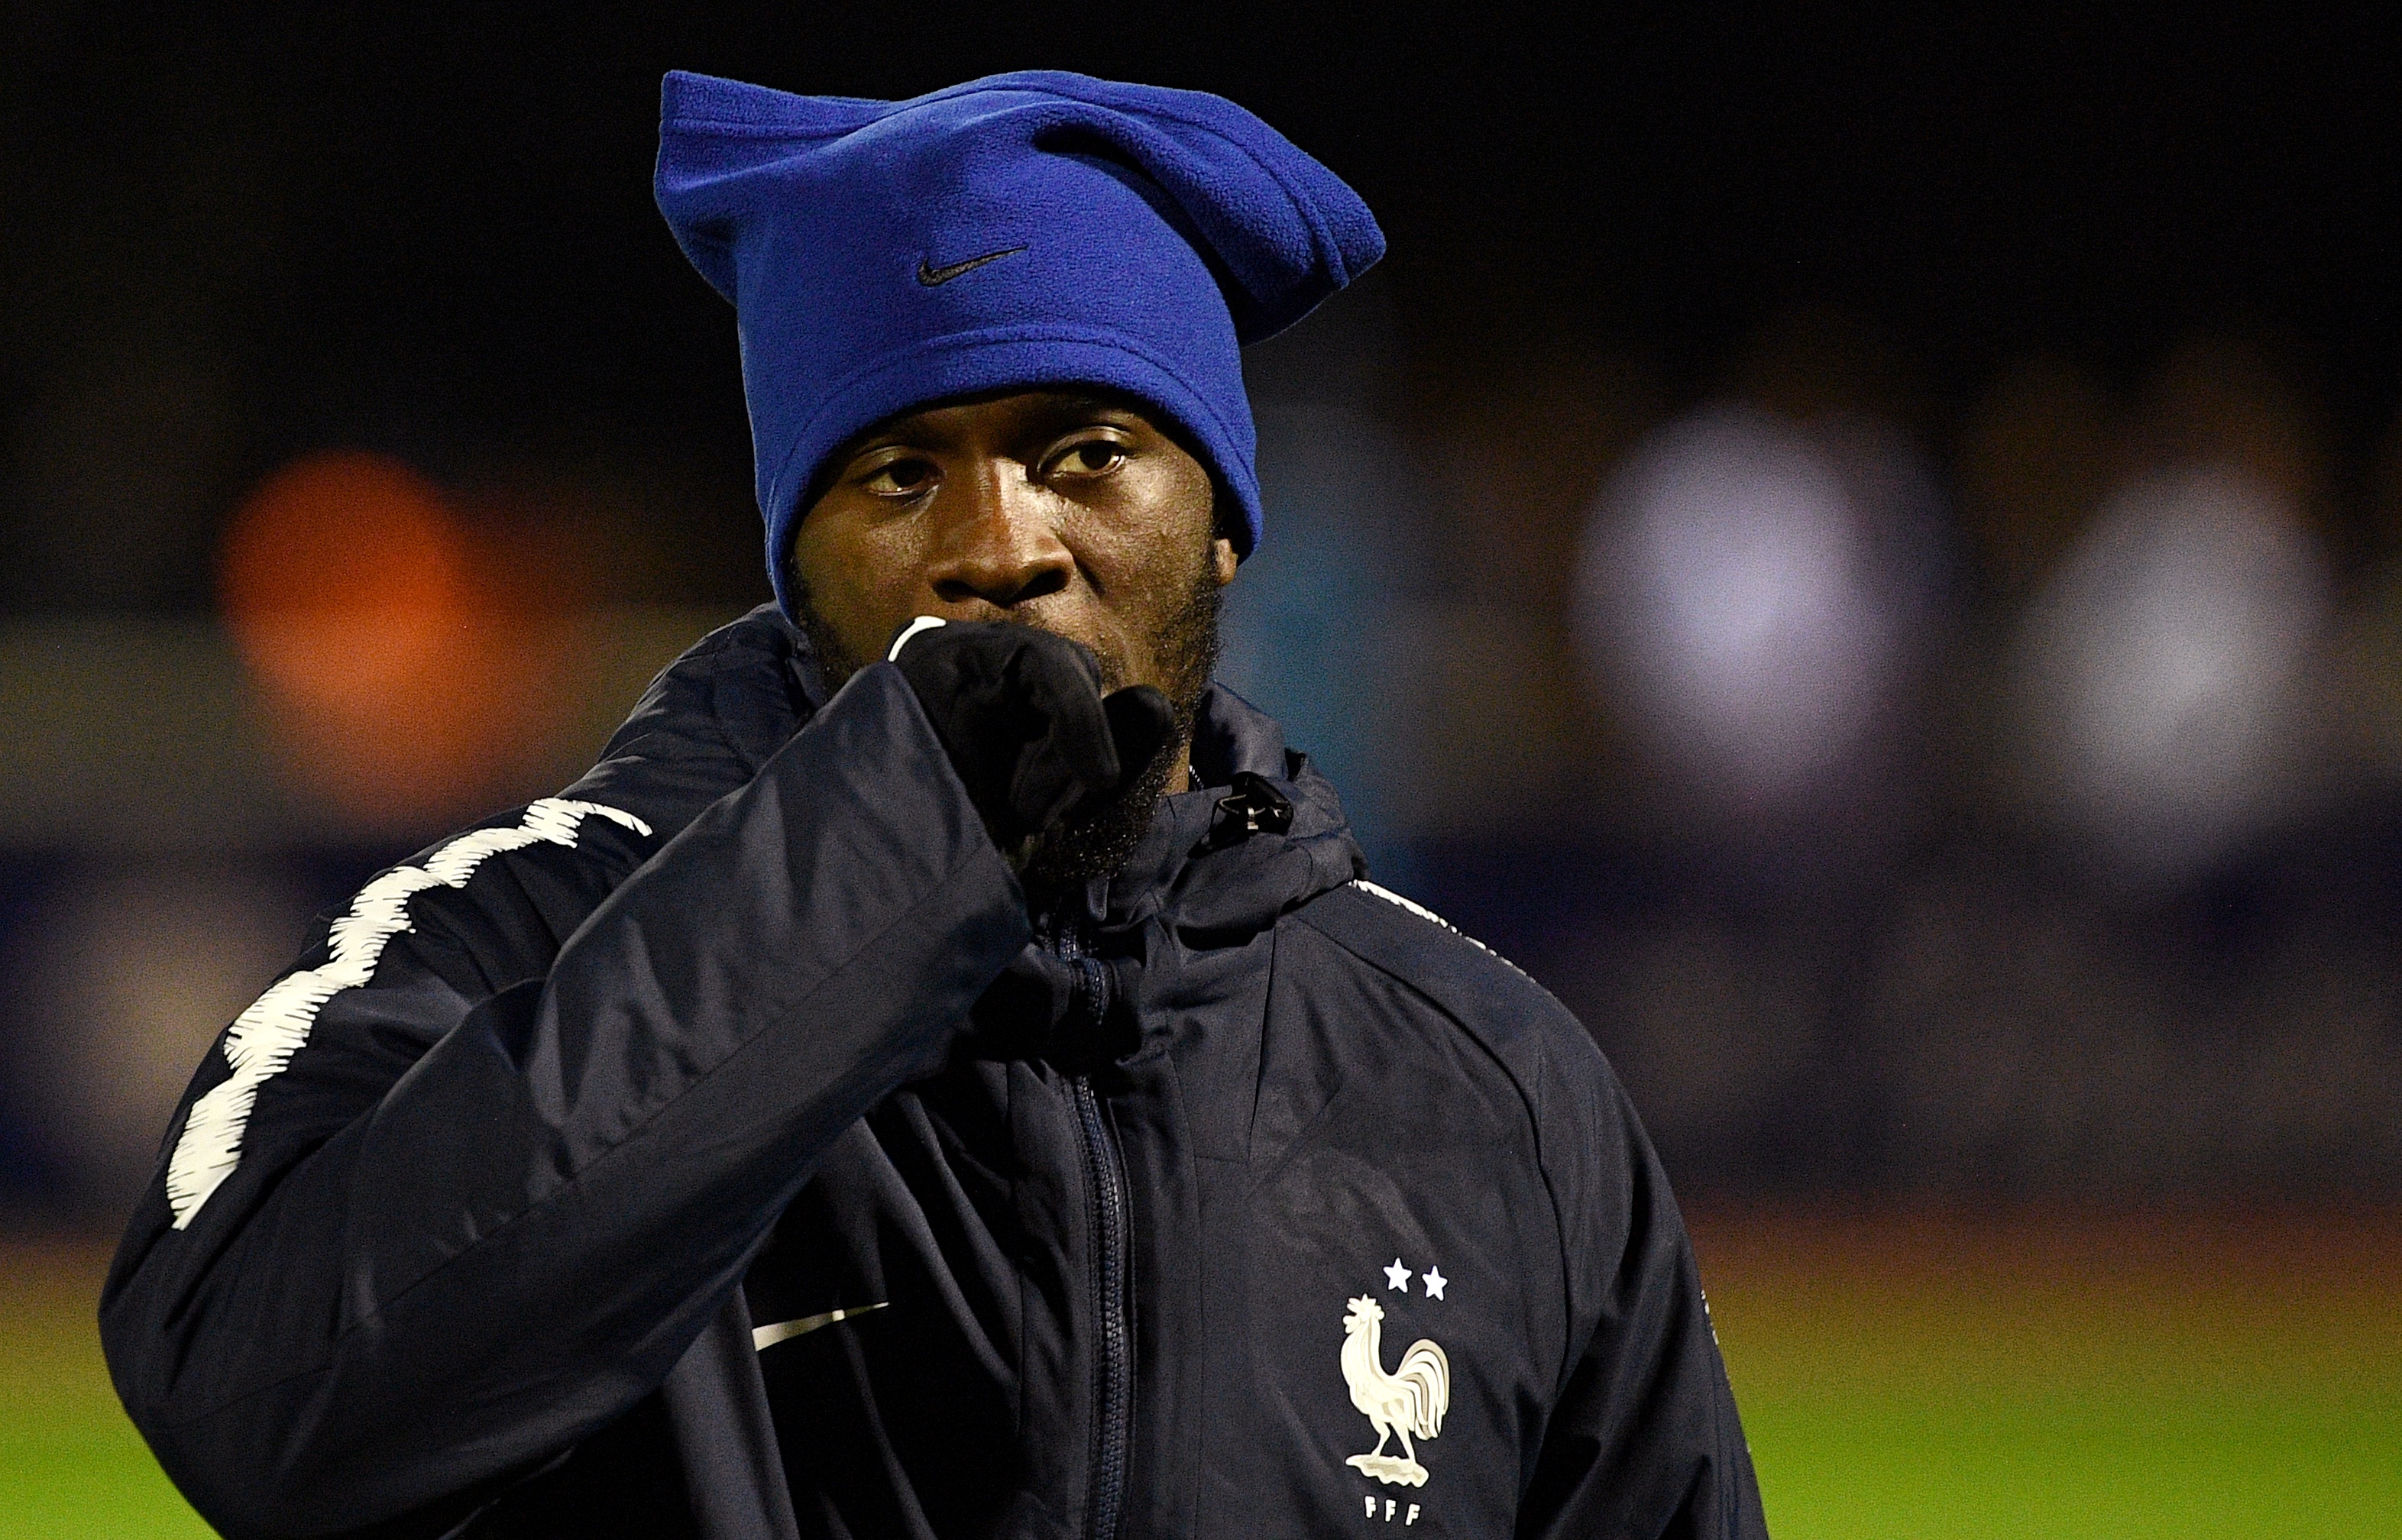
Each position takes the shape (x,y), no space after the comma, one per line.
(404,654)
(342,574)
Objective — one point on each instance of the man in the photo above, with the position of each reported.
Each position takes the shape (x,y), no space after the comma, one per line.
(942,1072)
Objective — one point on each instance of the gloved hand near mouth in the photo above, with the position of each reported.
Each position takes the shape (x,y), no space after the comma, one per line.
(1021,715)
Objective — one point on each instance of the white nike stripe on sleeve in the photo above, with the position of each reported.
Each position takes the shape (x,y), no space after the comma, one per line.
(263,1039)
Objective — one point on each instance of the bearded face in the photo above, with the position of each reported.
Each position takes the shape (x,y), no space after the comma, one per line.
(1074,513)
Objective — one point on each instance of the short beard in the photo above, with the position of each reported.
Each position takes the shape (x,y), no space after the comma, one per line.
(1103,839)
(835,663)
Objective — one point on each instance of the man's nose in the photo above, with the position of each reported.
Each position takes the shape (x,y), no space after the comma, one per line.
(998,542)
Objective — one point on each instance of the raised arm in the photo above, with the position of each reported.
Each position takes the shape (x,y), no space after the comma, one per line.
(463,1185)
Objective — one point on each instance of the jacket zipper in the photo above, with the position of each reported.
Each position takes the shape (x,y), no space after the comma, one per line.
(1105,1167)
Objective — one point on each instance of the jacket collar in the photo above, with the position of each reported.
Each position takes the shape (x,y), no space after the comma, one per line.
(1200,884)
(716,715)
(1215,884)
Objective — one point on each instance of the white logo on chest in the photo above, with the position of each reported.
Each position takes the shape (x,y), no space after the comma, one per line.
(1409,1402)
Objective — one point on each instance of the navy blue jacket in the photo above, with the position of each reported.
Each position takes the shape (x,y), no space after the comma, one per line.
(722,1148)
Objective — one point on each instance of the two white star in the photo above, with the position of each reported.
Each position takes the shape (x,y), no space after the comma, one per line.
(1396,1277)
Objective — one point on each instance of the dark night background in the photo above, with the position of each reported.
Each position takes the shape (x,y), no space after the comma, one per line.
(430,228)
(233,239)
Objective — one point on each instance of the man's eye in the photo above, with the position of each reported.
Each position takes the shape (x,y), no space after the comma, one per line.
(899,478)
(1092,457)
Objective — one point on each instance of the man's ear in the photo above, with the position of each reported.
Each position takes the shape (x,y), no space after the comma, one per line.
(1221,556)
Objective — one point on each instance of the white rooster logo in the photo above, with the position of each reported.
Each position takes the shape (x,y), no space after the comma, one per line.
(1409,1401)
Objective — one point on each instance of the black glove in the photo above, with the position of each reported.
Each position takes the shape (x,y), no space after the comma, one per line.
(1021,716)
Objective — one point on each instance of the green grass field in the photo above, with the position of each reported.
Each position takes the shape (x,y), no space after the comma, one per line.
(2065,1374)
(71,1465)
(1900,1375)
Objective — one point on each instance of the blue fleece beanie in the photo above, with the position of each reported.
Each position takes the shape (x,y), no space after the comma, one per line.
(1029,229)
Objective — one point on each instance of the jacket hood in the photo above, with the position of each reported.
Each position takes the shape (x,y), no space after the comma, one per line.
(716,715)
(1118,965)
(1201,882)
(1212,880)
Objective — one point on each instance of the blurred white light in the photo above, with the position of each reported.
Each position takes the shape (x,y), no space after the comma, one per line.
(138,969)
(1739,594)
(2165,668)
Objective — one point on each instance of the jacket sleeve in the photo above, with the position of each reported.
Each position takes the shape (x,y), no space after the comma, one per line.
(1644,1441)
(462,1187)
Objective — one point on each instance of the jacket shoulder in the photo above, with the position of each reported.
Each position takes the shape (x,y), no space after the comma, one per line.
(1514,1018)
(493,903)
(708,722)
(1588,1138)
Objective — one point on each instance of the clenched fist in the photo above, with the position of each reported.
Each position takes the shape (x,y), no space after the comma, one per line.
(1021,714)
